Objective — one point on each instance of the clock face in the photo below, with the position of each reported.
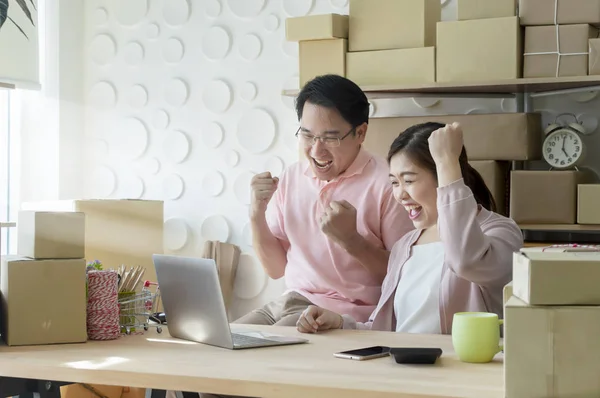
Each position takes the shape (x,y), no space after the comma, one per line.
(563,149)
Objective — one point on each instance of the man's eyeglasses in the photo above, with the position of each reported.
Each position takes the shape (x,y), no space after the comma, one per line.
(331,142)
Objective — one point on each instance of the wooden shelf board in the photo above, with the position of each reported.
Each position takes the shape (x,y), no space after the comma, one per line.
(531,85)
(7,85)
(559,227)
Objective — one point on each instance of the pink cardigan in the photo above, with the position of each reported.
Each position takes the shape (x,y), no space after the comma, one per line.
(477,264)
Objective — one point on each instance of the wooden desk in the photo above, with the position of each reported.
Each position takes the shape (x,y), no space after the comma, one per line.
(157,361)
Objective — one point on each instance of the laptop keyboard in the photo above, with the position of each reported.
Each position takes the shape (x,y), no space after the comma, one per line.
(242,340)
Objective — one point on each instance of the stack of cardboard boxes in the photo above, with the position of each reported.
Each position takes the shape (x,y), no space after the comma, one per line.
(381,42)
(552,324)
(559,36)
(117,231)
(43,288)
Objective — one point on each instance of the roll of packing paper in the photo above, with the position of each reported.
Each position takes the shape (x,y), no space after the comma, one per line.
(103,305)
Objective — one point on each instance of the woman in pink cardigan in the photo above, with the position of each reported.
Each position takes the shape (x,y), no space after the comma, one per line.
(459,256)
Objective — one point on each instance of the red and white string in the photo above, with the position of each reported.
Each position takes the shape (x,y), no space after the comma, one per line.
(103,306)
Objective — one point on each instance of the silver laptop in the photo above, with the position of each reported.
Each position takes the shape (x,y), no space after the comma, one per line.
(194,306)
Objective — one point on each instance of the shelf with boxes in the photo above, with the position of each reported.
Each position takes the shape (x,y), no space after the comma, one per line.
(396,49)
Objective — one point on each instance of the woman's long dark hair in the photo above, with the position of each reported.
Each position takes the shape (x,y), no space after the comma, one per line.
(414,142)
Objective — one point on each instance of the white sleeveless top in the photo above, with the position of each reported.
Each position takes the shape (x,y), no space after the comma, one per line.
(417,299)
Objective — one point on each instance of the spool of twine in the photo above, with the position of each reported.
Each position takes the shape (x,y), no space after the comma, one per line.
(103,306)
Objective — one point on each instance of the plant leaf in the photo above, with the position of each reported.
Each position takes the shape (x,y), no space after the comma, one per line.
(25,9)
(3,11)
(33,4)
(18,27)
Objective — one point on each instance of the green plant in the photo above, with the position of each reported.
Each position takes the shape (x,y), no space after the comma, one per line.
(4,7)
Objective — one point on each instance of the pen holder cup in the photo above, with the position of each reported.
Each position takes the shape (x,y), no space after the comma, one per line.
(127,311)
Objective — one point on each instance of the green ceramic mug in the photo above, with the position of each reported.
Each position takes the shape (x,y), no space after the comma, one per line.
(476,336)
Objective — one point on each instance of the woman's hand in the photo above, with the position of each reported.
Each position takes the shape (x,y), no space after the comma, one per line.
(315,319)
(445,145)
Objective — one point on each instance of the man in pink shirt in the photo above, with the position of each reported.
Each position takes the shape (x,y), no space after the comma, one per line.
(328,223)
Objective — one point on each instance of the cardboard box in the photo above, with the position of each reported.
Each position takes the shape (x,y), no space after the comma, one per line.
(90,391)
(321,57)
(370,68)
(482,9)
(482,49)
(43,301)
(316,27)
(556,277)
(392,24)
(496,177)
(117,231)
(594,57)
(502,136)
(588,204)
(558,190)
(541,58)
(545,12)
(551,351)
(51,234)
(98,390)
(507,292)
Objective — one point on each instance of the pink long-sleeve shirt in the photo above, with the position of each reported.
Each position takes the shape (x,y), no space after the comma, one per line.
(318,268)
(478,246)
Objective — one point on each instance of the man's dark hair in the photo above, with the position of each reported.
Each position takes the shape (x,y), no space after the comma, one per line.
(337,92)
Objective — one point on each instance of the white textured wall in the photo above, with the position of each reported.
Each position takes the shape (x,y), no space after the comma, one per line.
(183,104)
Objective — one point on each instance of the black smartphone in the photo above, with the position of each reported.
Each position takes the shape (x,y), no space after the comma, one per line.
(416,355)
(363,354)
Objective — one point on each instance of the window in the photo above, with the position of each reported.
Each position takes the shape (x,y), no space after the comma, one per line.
(9,186)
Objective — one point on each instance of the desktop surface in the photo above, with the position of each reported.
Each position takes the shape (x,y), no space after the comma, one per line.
(159,361)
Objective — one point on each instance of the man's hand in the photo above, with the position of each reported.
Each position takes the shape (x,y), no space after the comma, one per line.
(263,187)
(339,223)
(316,319)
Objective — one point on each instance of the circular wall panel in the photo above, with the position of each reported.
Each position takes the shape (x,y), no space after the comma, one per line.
(176,12)
(176,233)
(134,53)
(160,119)
(271,23)
(250,279)
(256,131)
(297,8)
(176,93)
(217,96)
(215,228)
(212,135)
(241,187)
(213,183)
(213,8)
(246,8)
(216,43)
(173,50)
(103,49)
(173,186)
(130,12)
(250,47)
(103,95)
(176,146)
